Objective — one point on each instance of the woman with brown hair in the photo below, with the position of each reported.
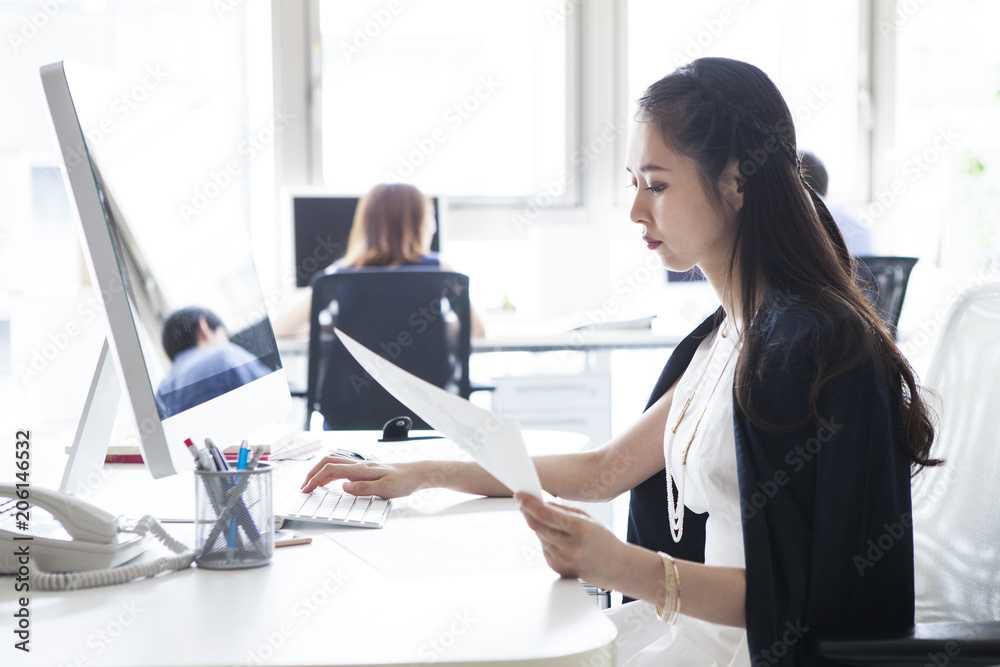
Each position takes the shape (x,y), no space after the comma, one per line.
(393,226)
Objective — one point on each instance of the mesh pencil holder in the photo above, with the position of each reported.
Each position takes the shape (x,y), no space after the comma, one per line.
(234,518)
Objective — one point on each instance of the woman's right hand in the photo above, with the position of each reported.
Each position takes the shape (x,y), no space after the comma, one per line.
(365,478)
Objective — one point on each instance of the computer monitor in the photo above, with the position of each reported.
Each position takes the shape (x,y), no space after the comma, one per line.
(161,193)
(321,225)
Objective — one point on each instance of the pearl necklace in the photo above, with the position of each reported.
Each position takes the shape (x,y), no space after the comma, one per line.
(675,508)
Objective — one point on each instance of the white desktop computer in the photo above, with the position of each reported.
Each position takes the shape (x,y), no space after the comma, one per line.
(155,248)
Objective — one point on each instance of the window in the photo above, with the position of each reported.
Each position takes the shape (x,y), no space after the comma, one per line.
(940,190)
(809,49)
(459,98)
(139,40)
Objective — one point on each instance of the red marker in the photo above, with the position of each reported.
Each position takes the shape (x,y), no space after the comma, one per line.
(200,456)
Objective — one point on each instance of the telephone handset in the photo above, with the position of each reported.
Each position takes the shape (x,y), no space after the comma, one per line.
(73,536)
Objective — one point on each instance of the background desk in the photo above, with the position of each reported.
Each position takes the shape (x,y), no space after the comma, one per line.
(567,401)
(321,604)
(565,392)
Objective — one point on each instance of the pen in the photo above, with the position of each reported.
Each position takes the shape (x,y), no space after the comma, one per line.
(255,456)
(201,457)
(241,464)
(217,457)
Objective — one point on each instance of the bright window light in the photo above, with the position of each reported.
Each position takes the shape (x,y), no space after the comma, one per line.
(459,98)
(809,49)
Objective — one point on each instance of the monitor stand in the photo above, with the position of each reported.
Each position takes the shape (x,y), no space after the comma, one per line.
(90,445)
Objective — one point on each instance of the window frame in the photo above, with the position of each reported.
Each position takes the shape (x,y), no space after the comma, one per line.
(297,23)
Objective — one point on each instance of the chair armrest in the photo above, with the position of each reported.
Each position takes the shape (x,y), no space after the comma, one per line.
(935,644)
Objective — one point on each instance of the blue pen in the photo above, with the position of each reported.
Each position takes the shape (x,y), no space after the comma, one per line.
(241,464)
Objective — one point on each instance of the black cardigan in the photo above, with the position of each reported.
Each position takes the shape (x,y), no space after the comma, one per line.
(827,530)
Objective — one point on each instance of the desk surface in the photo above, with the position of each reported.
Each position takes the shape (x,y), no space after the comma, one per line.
(339,600)
(525,340)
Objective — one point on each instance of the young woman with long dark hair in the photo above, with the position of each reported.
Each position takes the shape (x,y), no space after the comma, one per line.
(789,417)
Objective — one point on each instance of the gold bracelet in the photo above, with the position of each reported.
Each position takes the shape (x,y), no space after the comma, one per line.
(672,604)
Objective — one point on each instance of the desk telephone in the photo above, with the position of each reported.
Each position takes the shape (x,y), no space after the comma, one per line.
(73,537)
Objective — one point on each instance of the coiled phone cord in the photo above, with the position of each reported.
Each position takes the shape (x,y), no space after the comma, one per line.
(48,581)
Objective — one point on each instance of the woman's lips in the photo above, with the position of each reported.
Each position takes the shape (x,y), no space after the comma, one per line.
(651,243)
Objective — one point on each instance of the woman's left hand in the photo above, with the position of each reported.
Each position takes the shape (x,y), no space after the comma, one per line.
(574,544)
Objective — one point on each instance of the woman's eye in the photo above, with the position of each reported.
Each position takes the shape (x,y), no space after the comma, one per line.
(658,188)
(632,186)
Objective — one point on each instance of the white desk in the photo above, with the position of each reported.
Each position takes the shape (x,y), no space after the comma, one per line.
(524,339)
(321,604)
(584,340)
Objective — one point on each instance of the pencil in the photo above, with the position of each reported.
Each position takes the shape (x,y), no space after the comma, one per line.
(292,542)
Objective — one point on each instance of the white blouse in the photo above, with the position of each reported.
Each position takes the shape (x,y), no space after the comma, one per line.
(710,485)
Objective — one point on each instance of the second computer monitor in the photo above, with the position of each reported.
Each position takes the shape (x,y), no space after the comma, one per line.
(321,225)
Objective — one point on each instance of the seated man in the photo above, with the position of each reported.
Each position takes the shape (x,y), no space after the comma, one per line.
(857,235)
(205,363)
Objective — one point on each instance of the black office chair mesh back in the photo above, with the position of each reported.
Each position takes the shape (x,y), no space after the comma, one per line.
(884,279)
(417,318)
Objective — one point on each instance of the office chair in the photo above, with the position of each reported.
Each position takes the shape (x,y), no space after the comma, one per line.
(956,508)
(417,318)
(884,279)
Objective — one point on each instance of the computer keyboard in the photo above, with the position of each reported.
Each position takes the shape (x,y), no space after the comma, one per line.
(334,507)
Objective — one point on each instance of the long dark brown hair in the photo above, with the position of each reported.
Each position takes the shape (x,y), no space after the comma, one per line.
(388,227)
(788,248)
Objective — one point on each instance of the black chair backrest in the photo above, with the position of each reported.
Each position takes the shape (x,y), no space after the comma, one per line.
(884,279)
(418,318)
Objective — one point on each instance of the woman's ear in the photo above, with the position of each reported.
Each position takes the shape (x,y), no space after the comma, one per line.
(732,184)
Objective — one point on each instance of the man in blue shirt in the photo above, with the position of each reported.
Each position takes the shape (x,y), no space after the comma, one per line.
(857,236)
(205,363)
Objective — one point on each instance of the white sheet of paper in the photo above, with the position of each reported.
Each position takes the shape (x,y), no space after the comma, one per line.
(494,441)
